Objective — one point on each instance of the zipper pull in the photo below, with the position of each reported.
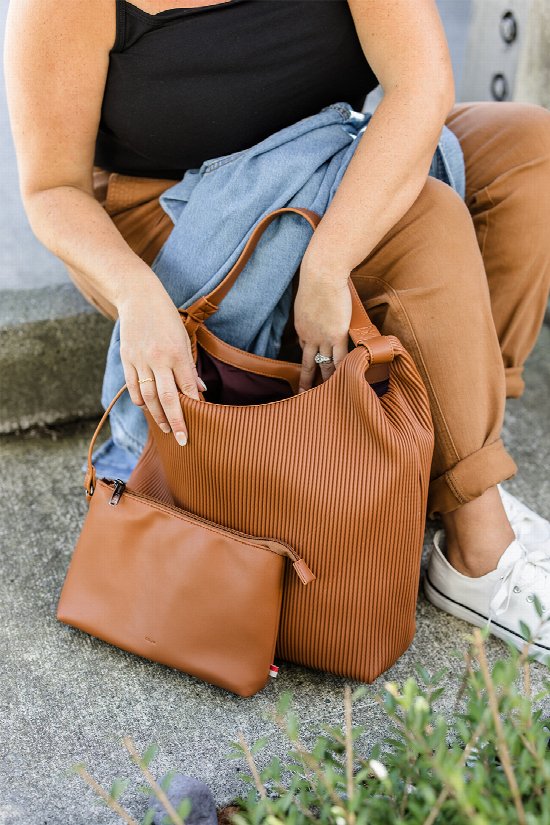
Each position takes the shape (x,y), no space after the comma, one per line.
(304,573)
(302,570)
(117,492)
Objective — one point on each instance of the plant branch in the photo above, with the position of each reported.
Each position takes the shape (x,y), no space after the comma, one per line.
(102,793)
(349,750)
(501,739)
(159,793)
(260,787)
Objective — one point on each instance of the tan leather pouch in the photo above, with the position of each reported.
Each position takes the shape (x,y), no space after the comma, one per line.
(180,590)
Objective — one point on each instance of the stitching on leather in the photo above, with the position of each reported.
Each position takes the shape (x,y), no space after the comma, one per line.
(231,536)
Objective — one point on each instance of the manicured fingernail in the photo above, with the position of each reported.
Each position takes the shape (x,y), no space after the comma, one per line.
(165,428)
(202,384)
(181,438)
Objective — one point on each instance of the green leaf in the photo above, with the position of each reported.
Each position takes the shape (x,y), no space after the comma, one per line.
(285,700)
(259,744)
(525,631)
(359,693)
(423,673)
(150,754)
(149,816)
(118,787)
(167,780)
(184,808)
(145,789)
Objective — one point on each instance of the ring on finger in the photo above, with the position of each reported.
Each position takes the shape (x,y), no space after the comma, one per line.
(143,380)
(319,358)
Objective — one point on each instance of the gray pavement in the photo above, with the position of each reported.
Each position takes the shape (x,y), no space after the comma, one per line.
(66,697)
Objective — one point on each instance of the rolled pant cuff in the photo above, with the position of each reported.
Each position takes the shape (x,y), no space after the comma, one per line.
(514,382)
(470,478)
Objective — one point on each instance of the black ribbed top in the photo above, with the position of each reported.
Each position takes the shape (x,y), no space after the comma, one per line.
(187,85)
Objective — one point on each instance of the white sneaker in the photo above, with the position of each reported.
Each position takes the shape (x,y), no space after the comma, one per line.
(501,599)
(532,530)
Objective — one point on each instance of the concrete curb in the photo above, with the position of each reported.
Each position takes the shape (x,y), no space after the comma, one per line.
(53,345)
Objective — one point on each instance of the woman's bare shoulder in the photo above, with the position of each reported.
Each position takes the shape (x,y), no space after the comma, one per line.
(56,58)
(92,21)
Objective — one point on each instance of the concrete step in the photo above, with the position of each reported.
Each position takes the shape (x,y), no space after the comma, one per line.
(53,346)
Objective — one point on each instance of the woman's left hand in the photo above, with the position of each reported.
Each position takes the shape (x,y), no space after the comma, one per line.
(322,315)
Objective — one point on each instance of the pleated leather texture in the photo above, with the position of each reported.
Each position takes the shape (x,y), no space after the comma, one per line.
(336,472)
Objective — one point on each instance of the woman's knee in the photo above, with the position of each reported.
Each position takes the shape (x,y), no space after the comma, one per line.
(521,129)
(529,127)
(440,224)
(431,251)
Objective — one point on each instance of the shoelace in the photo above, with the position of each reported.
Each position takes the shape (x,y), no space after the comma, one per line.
(530,568)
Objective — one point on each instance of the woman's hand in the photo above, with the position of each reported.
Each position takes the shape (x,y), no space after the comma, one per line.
(154,344)
(322,315)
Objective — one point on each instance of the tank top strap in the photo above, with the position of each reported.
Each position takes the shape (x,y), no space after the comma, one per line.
(120,37)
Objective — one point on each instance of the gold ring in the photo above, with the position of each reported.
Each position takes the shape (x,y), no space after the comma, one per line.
(143,380)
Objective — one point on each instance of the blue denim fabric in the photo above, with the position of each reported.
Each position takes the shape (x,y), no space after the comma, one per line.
(214,209)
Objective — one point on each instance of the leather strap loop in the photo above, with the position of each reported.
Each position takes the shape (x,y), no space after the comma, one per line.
(380,349)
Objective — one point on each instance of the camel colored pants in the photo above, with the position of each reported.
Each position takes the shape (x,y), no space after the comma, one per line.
(462,283)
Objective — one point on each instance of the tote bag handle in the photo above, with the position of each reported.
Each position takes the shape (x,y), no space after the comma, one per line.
(361,327)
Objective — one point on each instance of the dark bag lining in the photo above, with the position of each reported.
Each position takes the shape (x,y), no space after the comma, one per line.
(228,384)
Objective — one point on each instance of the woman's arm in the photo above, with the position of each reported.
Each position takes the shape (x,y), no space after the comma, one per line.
(56,57)
(405,44)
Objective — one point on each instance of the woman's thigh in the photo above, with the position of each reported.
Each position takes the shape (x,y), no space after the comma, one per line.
(425,283)
(506,149)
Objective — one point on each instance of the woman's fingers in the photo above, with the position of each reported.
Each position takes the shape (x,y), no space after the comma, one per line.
(337,351)
(340,350)
(149,391)
(328,367)
(187,378)
(131,376)
(167,388)
(308,367)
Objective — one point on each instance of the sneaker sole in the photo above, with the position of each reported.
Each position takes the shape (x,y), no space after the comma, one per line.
(467,614)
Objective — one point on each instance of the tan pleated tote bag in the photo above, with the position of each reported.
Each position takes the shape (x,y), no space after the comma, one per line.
(338,472)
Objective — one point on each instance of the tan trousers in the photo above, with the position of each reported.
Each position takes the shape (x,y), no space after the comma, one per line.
(463,284)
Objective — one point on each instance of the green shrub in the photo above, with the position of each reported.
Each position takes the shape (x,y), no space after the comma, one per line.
(490,765)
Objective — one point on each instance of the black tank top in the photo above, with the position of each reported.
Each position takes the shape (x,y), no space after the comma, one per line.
(187,85)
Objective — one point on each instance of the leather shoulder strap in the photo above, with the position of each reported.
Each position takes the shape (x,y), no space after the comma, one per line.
(361,327)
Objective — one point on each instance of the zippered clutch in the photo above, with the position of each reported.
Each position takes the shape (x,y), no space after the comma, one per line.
(175,588)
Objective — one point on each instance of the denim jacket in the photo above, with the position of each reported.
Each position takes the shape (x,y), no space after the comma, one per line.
(214,209)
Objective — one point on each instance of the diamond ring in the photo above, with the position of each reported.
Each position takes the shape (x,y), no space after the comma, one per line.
(322,359)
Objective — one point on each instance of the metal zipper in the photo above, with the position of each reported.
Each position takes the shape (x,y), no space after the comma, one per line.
(117,492)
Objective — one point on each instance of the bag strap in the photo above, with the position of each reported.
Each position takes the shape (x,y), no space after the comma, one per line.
(90,477)
(361,327)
